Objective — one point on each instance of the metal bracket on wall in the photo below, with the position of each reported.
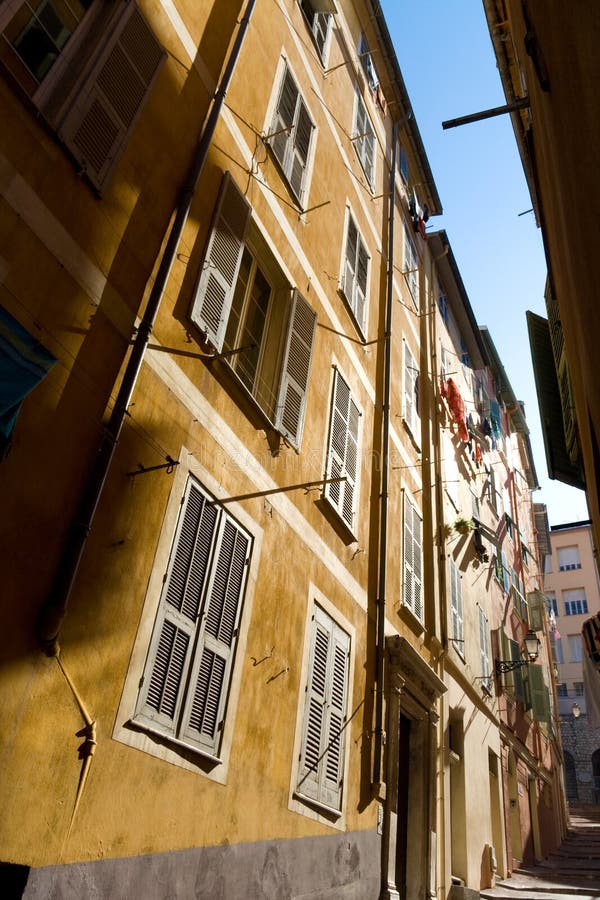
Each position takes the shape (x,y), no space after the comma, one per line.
(141,470)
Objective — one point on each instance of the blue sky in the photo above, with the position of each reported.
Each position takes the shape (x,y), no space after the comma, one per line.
(446,58)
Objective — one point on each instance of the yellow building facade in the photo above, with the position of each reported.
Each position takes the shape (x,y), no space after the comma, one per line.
(226,607)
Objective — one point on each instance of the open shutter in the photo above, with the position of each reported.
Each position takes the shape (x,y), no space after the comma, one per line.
(362,269)
(301,144)
(283,122)
(412,560)
(315,713)
(350,261)
(484,647)
(333,768)
(342,457)
(211,302)
(205,708)
(295,370)
(539,694)
(456,605)
(174,632)
(111,98)
(507,677)
(536,603)
(365,139)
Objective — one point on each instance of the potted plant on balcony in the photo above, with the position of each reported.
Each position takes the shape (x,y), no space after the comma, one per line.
(463,526)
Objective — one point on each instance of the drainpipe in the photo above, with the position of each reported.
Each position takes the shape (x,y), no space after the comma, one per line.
(54,609)
(380,638)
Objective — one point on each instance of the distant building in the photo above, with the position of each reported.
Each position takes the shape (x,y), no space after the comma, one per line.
(572,587)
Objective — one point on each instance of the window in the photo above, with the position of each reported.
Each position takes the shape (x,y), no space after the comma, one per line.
(411,410)
(290,135)
(247,311)
(410,265)
(320,776)
(343,452)
(403,164)
(509,525)
(575,602)
(456,608)
(578,688)
(23,364)
(558,651)
(561,690)
(363,139)
(568,558)
(444,309)
(575,648)
(319,24)
(88,68)
(183,693)
(355,276)
(366,60)
(551,598)
(412,595)
(485,653)
(491,489)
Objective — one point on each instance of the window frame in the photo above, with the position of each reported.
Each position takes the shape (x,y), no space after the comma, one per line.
(456,608)
(485,651)
(411,265)
(284,148)
(350,277)
(299,802)
(344,413)
(411,412)
(363,139)
(412,548)
(232,232)
(313,26)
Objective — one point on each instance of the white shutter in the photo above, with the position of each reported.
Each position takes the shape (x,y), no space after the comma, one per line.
(365,139)
(456,605)
(211,302)
(292,129)
(173,637)
(356,267)
(342,457)
(411,380)
(412,584)
(484,645)
(322,751)
(295,370)
(109,101)
(350,261)
(301,145)
(205,707)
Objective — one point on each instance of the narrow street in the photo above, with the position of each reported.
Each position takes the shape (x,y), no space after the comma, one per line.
(572,872)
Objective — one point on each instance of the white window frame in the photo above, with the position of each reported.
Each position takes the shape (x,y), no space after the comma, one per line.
(96,115)
(410,393)
(356,270)
(155,744)
(412,558)
(285,138)
(456,607)
(363,139)
(568,558)
(320,25)
(575,648)
(287,340)
(575,601)
(410,265)
(302,801)
(366,61)
(343,452)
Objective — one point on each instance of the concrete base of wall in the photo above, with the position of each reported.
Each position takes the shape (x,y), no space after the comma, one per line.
(459,892)
(320,868)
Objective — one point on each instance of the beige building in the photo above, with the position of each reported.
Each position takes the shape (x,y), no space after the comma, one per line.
(572,587)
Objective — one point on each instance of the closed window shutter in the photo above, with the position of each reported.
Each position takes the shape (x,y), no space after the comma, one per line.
(536,603)
(110,100)
(539,694)
(292,129)
(343,451)
(205,709)
(295,370)
(212,298)
(322,754)
(412,594)
(172,642)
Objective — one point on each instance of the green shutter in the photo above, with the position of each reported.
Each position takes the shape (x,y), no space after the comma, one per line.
(211,302)
(536,603)
(539,694)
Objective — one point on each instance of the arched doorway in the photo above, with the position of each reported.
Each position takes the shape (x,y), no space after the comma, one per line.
(571,778)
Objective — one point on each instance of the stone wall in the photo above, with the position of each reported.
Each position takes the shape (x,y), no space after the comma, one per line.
(581,742)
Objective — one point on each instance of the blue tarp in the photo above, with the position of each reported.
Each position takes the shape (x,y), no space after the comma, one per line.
(23,364)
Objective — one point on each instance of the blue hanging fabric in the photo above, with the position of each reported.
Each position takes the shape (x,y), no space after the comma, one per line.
(495,419)
(23,364)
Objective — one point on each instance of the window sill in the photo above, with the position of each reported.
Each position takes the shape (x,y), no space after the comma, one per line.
(360,330)
(334,517)
(405,612)
(203,755)
(329,811)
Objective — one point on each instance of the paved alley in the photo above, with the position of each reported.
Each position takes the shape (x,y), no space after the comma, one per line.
(572,872)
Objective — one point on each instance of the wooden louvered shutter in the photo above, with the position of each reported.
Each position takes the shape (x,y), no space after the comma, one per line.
(173,637)
(109,101)
(203,716)
(539,693)
(295,370)
(456,604)
(211,302)
(283,121)
(333,762)
(343,451)
(362,270)
(536,603)
(365,140)
(301,145)
(322,754)
(350,261)
(412,586)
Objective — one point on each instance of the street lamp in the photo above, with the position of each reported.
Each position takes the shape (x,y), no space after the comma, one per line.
(532,648)
(576,710)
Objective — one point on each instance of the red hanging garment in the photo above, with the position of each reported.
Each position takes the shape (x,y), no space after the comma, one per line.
(457,408)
